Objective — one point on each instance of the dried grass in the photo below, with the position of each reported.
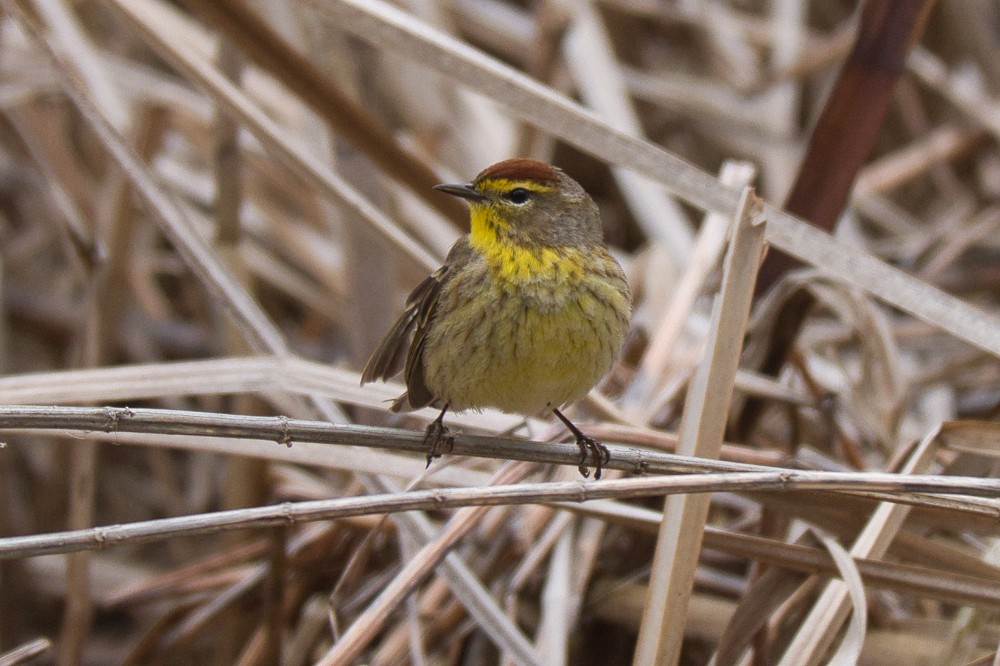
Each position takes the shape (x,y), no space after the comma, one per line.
(209,215)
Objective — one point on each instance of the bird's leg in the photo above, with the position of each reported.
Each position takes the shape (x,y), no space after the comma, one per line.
(438,435)
(587,445)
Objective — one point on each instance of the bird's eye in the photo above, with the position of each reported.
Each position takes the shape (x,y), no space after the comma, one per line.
(518,195)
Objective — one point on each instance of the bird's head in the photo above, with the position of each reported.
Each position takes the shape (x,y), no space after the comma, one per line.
(528,202)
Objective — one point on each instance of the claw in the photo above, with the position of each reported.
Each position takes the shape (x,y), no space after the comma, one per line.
(600,453)
(438,439)
(588,446)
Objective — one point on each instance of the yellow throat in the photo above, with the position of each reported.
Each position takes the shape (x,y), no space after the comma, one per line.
(514,261)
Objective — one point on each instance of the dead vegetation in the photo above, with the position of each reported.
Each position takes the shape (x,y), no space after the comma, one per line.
(209,214)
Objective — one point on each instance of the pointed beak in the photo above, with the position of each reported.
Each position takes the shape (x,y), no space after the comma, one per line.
(463,191)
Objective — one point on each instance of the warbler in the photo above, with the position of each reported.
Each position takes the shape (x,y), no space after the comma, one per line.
(527,314)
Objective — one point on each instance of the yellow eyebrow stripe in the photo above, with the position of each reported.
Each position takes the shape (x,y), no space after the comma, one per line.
(508,184)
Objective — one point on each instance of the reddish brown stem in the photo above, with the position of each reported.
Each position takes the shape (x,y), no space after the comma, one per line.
(840,144)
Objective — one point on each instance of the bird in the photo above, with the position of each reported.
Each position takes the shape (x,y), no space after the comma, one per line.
(528,312)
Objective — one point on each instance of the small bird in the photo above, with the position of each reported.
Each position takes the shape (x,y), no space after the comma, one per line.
(527,314)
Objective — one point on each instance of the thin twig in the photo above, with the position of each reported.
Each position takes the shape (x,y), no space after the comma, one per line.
(287,431)
(527,493)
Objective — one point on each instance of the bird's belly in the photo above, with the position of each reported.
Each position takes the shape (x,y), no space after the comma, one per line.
(523,354)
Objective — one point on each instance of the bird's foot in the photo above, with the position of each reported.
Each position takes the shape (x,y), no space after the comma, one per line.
(600,453)
(588,445)
(438,439)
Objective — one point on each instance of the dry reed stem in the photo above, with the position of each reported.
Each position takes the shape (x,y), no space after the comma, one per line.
(467,587)
(89,277)
(525,493)
(23,654)
(702,429)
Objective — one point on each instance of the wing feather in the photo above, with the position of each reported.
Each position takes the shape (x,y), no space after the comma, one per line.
(388,357)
